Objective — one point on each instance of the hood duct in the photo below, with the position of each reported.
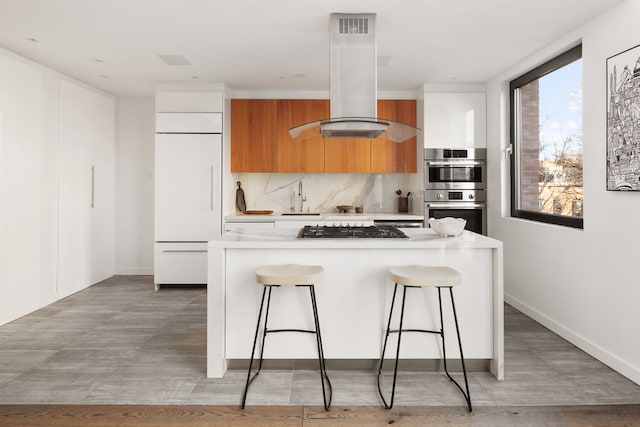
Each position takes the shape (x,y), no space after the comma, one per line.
(354,85)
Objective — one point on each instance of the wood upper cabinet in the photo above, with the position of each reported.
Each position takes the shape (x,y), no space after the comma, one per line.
(306,153)
(260,140)
(254,143)
(392,157)
(347,155)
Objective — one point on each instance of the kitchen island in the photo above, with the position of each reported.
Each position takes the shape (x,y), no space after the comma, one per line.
(353,297)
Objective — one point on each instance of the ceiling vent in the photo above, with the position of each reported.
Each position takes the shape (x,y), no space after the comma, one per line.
(174,59)
(354,87)
(353,26)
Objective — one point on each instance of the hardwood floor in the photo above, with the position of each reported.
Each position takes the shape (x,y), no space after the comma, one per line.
(196,416)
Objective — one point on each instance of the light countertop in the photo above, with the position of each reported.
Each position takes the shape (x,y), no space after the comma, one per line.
(424,238)
(325,216)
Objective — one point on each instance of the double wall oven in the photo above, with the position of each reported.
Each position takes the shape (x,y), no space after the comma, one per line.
(455,185)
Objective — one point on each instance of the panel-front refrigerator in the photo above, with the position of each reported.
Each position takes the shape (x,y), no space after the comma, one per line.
(188,173)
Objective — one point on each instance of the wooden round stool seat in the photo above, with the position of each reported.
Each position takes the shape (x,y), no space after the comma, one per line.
(289,274)
(422,275)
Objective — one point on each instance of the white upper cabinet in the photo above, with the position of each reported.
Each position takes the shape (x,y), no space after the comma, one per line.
(455,120)
(189,123)
(189,102)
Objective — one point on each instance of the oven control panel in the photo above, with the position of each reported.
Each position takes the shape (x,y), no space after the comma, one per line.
(455,196)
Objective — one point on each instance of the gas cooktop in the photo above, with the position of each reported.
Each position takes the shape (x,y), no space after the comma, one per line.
(350,232)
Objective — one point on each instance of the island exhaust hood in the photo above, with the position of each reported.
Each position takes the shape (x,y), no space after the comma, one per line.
(354,85)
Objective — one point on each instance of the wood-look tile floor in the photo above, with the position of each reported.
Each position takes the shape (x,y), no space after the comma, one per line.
(121,342)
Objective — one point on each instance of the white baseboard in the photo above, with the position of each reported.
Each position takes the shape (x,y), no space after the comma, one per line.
(606,357)
(16,312)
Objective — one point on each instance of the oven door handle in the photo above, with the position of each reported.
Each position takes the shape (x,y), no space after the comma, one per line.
(458,205)
(456,163)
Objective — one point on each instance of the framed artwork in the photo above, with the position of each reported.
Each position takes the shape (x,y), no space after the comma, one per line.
(623,121)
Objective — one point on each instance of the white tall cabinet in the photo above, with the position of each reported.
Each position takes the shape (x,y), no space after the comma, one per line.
(188,174)
(86,222)
(28,170)
(52,131)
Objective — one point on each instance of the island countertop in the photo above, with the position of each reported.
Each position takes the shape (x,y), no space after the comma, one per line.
(353,295)
(417,238)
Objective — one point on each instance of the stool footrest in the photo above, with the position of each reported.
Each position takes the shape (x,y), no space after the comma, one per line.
(290,330)
(395,331)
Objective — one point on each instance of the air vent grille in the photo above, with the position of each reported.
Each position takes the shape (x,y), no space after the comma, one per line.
(354,26)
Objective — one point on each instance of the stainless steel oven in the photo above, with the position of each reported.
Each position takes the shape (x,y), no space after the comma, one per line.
(467,204)
(446,168)
(455,186)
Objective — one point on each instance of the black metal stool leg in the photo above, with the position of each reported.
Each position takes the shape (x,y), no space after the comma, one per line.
(265,330)
(321,359)
(395,369)
(253,349)
(384,346)
(467,396)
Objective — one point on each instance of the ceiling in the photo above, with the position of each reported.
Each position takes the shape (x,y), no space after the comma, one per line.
(280,45)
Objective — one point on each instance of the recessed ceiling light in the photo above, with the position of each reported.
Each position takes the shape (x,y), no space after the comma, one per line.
(299,75)
(98,60)
(174,59)
(104,76)
(195,77)
(32,40)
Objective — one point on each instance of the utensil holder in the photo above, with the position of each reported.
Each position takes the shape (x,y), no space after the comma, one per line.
(403,204)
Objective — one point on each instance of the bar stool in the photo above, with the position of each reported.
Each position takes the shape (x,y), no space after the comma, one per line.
(297,275)
(419,276)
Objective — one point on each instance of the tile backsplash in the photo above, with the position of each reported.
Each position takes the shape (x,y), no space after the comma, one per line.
(376,193)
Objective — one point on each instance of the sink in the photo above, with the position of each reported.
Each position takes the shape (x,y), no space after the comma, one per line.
(301,213)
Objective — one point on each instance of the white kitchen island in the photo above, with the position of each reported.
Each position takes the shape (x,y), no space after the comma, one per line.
(353,297)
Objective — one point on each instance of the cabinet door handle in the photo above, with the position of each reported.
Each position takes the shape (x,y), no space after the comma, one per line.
(183,250)
(211,195)
(93,186)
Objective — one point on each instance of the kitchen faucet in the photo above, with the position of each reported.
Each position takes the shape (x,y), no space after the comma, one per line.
(301,196)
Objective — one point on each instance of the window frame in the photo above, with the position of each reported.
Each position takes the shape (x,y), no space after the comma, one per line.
(538,72)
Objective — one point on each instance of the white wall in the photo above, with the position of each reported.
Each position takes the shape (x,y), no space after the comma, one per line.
(582,284)
(135,123)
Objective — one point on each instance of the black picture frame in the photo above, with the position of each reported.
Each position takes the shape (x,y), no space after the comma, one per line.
(623,120)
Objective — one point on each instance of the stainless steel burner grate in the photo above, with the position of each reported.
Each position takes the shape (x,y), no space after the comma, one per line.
(350,232)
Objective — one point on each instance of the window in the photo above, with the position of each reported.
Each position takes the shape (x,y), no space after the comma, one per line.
(546,133)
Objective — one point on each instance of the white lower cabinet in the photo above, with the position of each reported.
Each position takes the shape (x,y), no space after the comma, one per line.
(299,224)
(180,263)
(295,224)
(260,225)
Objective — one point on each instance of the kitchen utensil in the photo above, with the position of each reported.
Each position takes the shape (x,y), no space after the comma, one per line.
(448,226)
(241,205)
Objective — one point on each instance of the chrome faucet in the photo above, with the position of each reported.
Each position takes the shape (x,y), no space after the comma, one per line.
(301,196)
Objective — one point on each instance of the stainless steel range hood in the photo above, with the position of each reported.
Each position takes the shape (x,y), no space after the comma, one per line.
(354,85)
